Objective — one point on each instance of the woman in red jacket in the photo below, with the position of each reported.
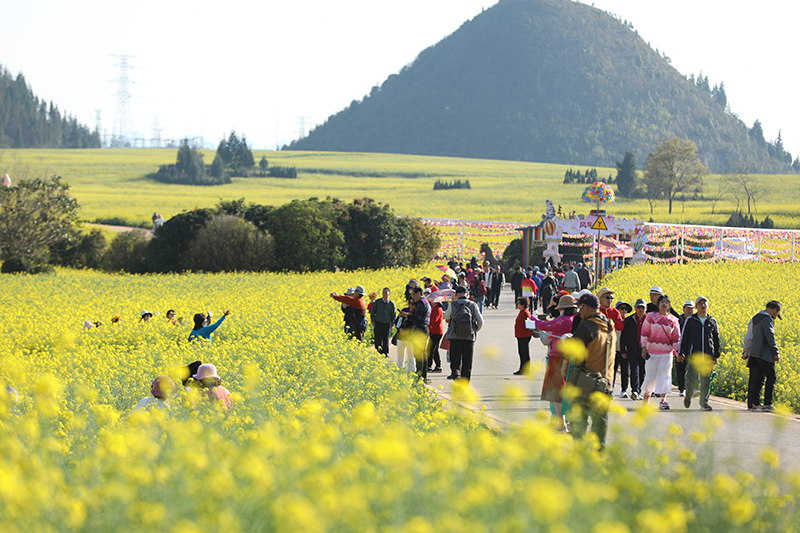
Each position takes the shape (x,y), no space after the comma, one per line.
(436,331)
(523,336)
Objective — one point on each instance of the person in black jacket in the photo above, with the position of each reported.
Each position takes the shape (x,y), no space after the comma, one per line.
(700,345)
(630,347)
(652,307)
(761,351)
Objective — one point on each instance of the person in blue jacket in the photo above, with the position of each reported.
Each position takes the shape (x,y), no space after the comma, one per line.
(202,327)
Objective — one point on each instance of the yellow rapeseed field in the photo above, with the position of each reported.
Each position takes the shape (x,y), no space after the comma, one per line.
(112,183)
(736,291)
(324,434)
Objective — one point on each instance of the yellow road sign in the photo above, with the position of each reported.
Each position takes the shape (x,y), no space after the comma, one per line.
(600,224)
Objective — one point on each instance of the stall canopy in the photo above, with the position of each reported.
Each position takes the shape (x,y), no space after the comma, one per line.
(614,249)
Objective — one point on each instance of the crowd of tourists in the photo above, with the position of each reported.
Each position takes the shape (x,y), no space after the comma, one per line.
(640,346)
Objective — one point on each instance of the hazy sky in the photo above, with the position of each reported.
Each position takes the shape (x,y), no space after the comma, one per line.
(204,68)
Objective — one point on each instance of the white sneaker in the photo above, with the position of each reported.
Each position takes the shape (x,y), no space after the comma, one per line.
(634,396)
(682,393)
(623,395)
(664,406)
(696,394)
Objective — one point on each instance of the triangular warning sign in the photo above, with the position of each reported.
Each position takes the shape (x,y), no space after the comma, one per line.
(600,224)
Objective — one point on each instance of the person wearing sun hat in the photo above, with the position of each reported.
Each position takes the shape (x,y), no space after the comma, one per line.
(212,385)
(606,298)
(359,310)
(597,334)
(700,349)
(656,293)
(554,378)
(145,316)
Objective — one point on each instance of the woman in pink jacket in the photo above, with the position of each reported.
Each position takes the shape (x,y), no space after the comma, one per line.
(661,338)
(554,375)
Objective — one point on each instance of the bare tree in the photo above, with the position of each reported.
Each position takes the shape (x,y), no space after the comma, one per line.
(674,168)
(717,195)
(745,188)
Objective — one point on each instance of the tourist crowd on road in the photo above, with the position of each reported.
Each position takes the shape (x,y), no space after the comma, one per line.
(647,345)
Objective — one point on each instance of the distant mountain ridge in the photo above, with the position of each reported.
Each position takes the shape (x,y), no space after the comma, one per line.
(551,81)
(27,122)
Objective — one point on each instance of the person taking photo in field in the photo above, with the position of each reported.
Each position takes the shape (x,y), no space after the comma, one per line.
(359,310)
(761,351)
(203,327)
(699,352)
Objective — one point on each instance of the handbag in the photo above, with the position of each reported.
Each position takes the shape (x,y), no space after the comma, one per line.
(546,338)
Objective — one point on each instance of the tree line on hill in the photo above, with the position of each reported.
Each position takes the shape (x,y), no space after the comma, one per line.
(28,122)
(233,158)
(38,229)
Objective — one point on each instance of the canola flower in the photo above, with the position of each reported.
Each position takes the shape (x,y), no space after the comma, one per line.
(324,433)
(736,291)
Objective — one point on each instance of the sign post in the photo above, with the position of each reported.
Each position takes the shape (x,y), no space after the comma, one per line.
(599,225)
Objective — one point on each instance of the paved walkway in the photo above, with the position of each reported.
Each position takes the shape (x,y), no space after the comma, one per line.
(737,440)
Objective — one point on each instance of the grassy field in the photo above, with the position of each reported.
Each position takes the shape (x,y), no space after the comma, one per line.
(112,183)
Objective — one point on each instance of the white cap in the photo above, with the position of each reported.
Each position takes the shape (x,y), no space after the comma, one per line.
(699,298)
(688,303)
(657,290)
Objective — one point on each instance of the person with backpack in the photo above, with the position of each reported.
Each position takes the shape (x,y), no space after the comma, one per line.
(359,310)
(465,321)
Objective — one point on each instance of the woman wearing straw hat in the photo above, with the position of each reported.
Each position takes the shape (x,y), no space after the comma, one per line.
(554,375)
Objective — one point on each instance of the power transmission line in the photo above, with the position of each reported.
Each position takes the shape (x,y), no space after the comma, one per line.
(123,122)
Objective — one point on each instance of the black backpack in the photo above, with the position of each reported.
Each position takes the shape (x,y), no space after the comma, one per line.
(464,323)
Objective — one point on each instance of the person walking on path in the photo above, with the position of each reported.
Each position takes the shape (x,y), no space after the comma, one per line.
(420,329)
(597,333)
(435,338)
(528,289)
(584,275)
(516,283)
(761,351)
(498,281)
(202,327)
(652,307)
(523,336)
(621,363)
(359,308)
(383,314)
(465,321)
(700,348)
(606,298)
(572,282)
(554,377)
(661,338)
(631,348)
(680,363)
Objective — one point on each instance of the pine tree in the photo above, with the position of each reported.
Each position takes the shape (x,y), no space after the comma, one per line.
(626,175)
